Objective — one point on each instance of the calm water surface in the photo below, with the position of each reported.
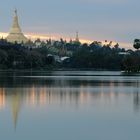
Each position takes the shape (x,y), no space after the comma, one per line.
(69,106)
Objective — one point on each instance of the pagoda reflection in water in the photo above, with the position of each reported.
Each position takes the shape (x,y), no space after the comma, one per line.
(33,95)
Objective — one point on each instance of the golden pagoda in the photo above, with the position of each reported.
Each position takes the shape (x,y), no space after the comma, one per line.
(16,34)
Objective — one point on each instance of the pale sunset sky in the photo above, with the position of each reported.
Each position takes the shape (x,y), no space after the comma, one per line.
(116,20)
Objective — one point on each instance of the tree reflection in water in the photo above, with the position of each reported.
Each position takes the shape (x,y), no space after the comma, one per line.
(17,90)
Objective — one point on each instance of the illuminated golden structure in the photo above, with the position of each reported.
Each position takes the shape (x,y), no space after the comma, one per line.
(16,34)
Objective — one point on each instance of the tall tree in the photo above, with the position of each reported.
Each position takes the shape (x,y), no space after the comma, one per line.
(136,44)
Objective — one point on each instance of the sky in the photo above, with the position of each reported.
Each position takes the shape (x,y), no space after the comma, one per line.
(112,20)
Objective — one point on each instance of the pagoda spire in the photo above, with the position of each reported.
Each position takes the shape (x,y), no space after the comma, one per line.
(77,37)
(15,11)
(15,27)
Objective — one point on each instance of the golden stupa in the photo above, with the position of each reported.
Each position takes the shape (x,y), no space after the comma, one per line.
(16,34)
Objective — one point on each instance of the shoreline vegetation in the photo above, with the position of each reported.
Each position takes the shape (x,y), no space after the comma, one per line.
(61,55)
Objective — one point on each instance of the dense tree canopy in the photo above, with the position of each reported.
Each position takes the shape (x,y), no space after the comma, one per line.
(78,56)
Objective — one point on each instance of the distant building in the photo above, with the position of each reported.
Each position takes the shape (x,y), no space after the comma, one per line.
(16,34)
(124,53)
(38,43)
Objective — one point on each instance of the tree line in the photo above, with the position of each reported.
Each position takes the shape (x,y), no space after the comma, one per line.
(95,56)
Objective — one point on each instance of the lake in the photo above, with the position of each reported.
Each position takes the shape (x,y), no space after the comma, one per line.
(69,105)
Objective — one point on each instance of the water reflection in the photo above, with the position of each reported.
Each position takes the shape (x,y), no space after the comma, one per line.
(137,98)
(18,91)
(16,105)
(2,98)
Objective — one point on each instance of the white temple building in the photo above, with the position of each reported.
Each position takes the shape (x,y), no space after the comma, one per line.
(16,34)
